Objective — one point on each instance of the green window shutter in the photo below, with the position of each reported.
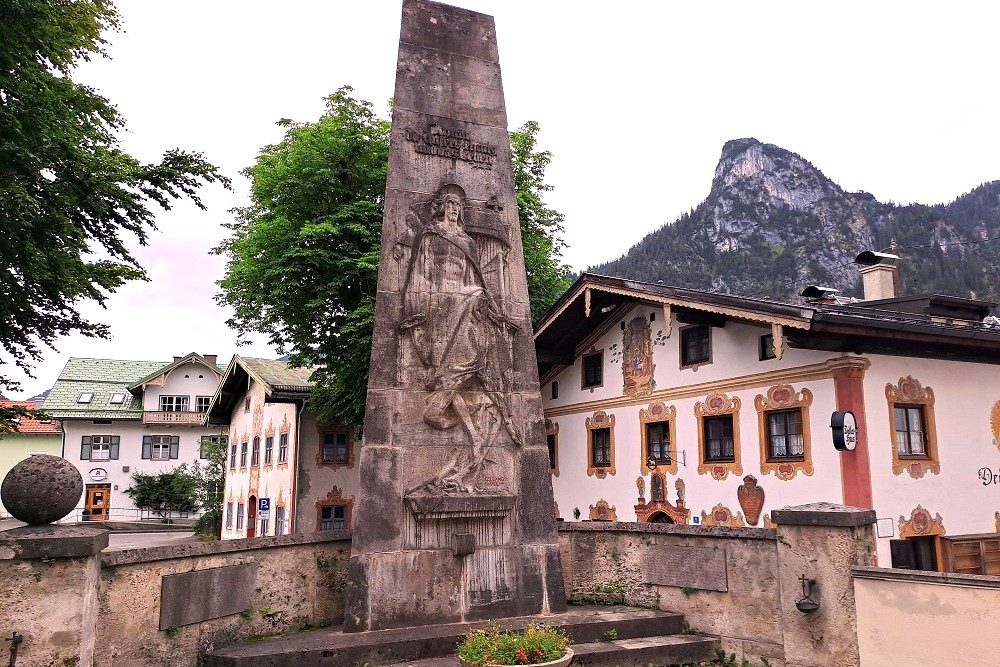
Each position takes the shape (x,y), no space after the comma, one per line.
(175,446)
(147,446)
(85,448)
(116,442)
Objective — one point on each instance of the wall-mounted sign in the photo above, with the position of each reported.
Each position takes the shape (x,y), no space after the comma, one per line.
(845,431)
(263,504)
(98,474)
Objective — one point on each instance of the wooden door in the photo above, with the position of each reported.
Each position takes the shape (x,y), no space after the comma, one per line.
(98,503)
(252,517)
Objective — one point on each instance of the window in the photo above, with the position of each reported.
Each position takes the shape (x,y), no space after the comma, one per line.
(600,447)
(593,370)
(784,435)
(232,456)
(240,510)
(246,404)
(243,454)
(99,447)
(264,521)
(201,403)
(333,517)
(117,399)
(719,438)
(255,455)
(909,427)
(269,451)
(658,442)
(175,403)
(85,397)
(335,447)
(550,442)
(283,448)
(766,347)
(912,425)
(555,389)
(696,345)
(229,516)
(279,520)
(209,443)
(160,447)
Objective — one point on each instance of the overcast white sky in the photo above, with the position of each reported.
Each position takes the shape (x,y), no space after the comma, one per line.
(635,101)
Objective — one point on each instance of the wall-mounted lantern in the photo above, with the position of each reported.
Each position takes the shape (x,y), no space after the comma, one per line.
(807,605)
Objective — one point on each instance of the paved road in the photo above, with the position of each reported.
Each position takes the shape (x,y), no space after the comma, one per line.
(119,541)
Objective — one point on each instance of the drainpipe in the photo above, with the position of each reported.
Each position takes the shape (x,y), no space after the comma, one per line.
(294,515)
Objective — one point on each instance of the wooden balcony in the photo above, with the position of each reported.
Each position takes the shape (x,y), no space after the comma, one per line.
(189,418)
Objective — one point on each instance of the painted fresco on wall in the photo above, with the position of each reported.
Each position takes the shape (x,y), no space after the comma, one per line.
(995,424)
(603,512)
(722,516)
(920,523)
(637,358)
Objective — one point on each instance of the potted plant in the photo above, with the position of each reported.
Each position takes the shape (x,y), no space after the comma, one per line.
(534,645)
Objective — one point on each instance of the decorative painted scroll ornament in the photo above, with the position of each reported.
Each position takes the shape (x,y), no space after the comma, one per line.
(637,358)
(453,318)
(995,423)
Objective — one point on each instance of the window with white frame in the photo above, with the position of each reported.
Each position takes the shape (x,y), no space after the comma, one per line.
(160,447)
(279,520)
(283,448)
(229,515)
(175,403)
(201,403)
(269,450)
(240,513)
(784,434)
(99,447)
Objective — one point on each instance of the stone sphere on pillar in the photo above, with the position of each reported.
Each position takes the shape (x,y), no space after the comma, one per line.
(41,489)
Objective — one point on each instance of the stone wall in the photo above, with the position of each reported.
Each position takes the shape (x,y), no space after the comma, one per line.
(926,618)
(297,583)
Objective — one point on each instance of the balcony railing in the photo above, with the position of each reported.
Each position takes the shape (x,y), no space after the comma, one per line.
(172,417)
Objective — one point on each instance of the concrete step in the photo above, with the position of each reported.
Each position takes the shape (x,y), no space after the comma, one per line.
(586,625)
(668,651)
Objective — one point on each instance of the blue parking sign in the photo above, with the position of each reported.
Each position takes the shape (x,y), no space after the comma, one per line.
(264,504)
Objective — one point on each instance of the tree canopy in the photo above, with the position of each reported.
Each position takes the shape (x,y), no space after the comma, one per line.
(303,256)
(70,197)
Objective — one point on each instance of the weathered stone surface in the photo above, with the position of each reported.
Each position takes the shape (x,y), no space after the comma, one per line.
(52,541)
(823,514)
(454,456)
(192,597)
(41,489)
(686,567)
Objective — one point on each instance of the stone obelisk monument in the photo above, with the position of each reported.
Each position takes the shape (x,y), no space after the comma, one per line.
(455,517)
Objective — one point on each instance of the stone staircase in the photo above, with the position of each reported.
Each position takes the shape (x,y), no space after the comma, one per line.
(643,637)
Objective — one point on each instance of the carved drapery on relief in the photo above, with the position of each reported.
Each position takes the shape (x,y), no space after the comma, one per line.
(458,332)
(658,413)
(995,424)
(600,421)
(637,358)
(603,512)
(751,499)
(659,509)
(722,516)
(718,405)
(908,393)
(920,524)
(778,398)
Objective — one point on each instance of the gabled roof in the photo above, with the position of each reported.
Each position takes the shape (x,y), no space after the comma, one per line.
(281,382)
(877,327)
(102,378)
(33,426)
(163,371)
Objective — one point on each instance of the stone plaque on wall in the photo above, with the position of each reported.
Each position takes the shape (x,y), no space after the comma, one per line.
(686,567)
(193,597)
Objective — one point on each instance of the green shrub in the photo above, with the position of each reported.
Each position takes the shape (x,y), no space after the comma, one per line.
(493,646)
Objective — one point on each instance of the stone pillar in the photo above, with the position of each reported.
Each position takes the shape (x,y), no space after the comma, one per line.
(455,517)
(822,542)
(49,579)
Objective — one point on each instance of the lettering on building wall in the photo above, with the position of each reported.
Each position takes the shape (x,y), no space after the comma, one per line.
(988,477)
(451,143)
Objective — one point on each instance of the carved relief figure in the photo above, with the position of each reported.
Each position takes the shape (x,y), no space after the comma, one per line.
(461,336)
(637,359)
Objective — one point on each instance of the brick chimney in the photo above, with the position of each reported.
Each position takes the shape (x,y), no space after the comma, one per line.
(211,358)
(879,275)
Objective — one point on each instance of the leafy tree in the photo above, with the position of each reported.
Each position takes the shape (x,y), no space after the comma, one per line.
(69,196)
(177,490)
(303,256)
(211,483)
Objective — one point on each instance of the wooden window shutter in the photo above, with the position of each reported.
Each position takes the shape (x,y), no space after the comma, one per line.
(85,448)
(175,446)
(115,445)
(147,446)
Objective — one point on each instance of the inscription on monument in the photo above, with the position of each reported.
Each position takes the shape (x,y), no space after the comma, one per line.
(686,567)
(451,143)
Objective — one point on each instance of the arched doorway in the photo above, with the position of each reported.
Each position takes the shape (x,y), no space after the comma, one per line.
(660,517)
(252,517)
